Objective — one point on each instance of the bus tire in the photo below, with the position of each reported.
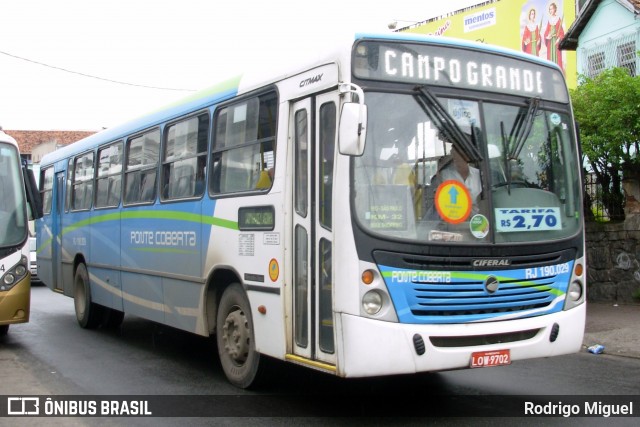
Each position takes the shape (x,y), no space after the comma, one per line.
(4,330)
(235,338)
(88,313)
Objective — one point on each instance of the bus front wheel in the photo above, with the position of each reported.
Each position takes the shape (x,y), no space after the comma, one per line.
(235,338)
(87,312)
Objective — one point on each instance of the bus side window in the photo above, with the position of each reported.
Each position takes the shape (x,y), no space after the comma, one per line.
(183,182)
(115,190)
(82,185)
(102,193)
(143,153)
(132,190)
(215,174)
(109,176)
(243,150)
(184,158)
(148,190)
(46,188)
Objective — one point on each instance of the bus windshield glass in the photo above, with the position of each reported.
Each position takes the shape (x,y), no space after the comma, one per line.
(462,169)
(13,225)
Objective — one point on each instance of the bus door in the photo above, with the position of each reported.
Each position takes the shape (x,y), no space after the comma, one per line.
(56,233)
(313,132)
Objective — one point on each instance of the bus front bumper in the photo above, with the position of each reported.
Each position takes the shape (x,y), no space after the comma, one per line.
(372,347)
(15,303)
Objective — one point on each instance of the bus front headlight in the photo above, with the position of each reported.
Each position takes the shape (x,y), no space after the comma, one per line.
(14,275)
(575,295)
(575,291)
(9,279)
(372,302)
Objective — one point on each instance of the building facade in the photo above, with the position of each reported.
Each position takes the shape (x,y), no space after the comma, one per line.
(606,34)
(36,143)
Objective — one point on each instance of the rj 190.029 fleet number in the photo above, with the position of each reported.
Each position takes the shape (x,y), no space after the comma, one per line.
(547,271)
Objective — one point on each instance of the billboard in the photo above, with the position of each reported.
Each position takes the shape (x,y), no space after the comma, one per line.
(532,26)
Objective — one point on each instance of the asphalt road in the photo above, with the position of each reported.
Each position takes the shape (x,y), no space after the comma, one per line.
(52,356)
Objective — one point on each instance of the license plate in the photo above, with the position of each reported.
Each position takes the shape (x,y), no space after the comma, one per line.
(484,359)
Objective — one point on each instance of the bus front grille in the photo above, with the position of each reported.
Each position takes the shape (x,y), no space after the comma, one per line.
(435,294)
(471,299)
(474,297)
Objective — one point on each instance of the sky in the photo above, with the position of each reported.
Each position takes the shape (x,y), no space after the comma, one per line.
(89,65)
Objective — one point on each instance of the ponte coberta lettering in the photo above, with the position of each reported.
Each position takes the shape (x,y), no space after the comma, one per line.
(164,238)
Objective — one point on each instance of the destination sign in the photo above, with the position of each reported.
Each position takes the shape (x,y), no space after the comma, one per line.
(457,67)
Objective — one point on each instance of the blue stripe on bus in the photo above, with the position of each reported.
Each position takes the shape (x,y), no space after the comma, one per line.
(439,297)
(170,215)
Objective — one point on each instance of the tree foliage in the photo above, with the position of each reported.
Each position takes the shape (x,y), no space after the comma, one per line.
(607,109)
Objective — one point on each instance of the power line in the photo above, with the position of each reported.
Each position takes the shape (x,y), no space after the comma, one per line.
(94,77)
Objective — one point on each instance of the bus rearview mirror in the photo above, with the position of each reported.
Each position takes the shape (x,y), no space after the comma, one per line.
(33,194)
(353,129)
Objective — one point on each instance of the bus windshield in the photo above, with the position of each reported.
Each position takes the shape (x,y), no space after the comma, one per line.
(13,224)
(459,170)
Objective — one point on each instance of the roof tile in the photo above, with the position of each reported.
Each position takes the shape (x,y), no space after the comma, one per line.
(28,139)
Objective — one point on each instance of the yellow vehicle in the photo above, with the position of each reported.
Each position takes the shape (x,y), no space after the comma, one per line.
(18,202)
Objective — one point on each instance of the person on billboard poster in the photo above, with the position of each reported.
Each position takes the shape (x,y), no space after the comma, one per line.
(531,35)
(553,34)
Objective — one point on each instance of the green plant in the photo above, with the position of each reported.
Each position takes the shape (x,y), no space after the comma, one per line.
(606,108)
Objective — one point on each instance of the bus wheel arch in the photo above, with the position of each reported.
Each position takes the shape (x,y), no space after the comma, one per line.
(218,281)
(88,313)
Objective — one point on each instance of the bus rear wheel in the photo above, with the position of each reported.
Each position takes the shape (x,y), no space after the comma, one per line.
(4,330)
(88,313)
(235,338)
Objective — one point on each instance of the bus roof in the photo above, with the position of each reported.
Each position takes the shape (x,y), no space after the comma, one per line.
(461,43)
(250,81)
(197,101)
(7,138)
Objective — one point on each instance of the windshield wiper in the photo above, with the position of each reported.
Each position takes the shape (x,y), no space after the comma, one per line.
(446,124)
(522,128)
(512,145)
(507,159)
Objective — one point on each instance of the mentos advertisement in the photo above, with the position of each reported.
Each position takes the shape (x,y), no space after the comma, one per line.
(532,26)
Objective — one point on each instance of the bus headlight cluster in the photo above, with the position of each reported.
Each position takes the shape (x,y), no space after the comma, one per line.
(375,301)
(14,275)
(575,292)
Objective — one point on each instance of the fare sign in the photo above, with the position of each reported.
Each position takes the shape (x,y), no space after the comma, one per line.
(528,219)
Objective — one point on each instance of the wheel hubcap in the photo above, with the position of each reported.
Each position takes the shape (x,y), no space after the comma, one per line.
(236,336)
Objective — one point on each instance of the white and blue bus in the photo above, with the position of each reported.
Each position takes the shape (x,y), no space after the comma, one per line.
(408,204)
(18,204)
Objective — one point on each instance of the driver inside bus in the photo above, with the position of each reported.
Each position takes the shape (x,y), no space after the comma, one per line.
(454,167)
